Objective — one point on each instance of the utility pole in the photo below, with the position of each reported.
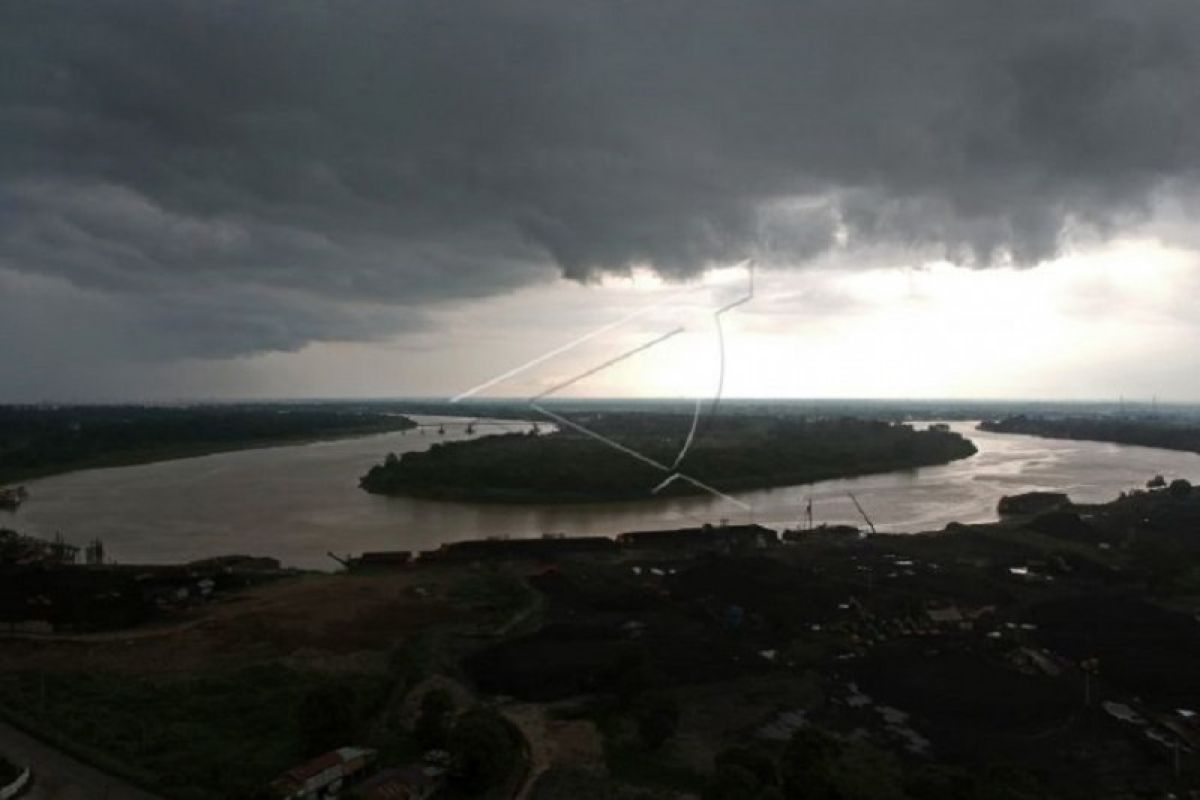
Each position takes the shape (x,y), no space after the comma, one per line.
(1090,666)
(858,505)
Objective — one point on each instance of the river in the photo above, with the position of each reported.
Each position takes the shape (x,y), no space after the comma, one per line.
(297,502)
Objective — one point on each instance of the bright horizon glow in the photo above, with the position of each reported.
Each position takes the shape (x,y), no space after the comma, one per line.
(935,331)
(1092,325)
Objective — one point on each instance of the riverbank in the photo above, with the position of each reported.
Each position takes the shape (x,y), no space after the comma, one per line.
(181,453)
(37,442)
(1163,433)
(299,502)
(959,649)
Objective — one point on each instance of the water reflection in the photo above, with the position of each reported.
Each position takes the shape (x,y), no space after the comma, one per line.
(298,502)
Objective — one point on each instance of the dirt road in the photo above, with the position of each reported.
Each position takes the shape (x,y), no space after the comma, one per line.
(58,776)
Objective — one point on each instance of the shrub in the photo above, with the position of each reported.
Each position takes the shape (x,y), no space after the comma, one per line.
(485,750)
(757,763)
(9,771)
(808,763)
(432,728)
(657,717)
(327,718)
(731,782)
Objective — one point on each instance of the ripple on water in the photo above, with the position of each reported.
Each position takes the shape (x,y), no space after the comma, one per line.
(297,502)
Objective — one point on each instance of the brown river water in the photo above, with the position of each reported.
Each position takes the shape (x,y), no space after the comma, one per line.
(297,502)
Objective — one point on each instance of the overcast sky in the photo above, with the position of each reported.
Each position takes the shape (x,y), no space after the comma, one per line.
(951,198)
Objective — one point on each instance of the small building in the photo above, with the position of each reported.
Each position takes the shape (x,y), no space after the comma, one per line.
(722,538)
(792,535)
(544,548)
(237,563)
(324,776)
(381,559)
(412,782)
(947,615)
(1032,503)
(16,548)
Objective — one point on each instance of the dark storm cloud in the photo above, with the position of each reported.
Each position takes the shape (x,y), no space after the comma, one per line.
(251,161)
(50,321)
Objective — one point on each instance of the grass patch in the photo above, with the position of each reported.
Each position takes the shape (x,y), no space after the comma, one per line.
(655,770)
(630,762)
(497,596)
(216,736)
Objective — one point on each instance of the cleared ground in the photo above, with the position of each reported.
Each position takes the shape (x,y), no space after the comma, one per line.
(333,621)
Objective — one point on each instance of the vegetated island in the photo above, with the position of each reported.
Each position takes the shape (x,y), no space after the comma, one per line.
(729,453)
(36,441)
(1162,432)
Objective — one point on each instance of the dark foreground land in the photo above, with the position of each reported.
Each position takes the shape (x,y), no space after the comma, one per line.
(44,440)
(1047,656)
(1167,432)
(730,453)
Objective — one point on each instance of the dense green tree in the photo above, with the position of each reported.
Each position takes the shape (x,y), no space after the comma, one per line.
(432,728)
(732,782)
(807,766)
(756,762)
(816,766)
(1004,782)
(412,660)
(327,718)
(632,675)
(938,782)
(740,452)
(485,750)
(657,717)
(743,773)
(40,440)
(865,772)
(1171,434)
(1163,561)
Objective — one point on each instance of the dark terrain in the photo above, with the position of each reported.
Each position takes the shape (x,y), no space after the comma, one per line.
(1045,656)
